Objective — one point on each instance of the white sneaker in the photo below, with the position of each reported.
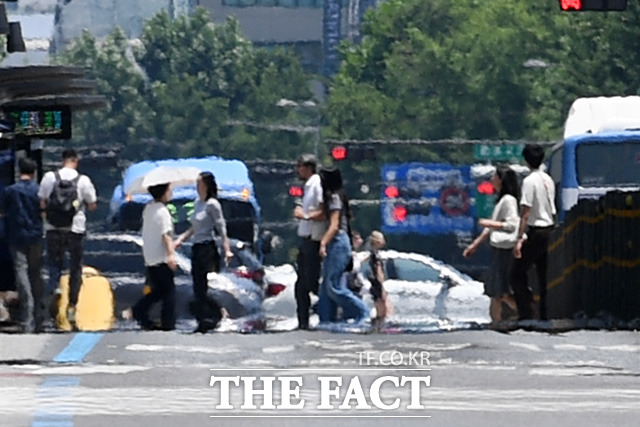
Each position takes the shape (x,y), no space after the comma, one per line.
(71,314)
(4,313)
(127,314)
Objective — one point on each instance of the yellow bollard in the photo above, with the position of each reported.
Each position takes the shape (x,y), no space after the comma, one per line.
(96,306)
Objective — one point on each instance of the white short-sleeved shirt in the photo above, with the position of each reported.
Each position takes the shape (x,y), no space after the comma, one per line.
(505,211)
(156,222)
(539,193)
(311,201)
(86,195)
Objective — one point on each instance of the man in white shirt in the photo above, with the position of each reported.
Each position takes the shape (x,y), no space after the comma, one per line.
(67,237)
(310,231)
(537,219)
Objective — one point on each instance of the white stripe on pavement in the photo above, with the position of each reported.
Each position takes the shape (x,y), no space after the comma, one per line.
(202,400)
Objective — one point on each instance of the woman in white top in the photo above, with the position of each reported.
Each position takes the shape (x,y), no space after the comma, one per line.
(502,230)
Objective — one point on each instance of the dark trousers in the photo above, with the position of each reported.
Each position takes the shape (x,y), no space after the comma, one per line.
(163,289)
(27,262)
(309,263)
(205,259)
(59,242)
(534,252)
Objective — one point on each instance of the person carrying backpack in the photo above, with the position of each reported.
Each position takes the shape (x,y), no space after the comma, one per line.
(64,195)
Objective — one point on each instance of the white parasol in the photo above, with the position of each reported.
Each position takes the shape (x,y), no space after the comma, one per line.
(176,176)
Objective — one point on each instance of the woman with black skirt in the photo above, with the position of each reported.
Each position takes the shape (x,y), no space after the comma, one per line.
(502,232)
(207,220)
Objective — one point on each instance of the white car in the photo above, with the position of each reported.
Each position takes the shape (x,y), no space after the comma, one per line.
(426,291)
(426,294)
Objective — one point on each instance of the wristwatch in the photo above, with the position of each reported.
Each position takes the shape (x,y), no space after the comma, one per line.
(306,217)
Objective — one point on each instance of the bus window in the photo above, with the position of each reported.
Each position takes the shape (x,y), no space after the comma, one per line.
(608,165)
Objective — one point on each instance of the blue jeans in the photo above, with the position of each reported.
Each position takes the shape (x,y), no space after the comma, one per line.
(27,262)
(333,291)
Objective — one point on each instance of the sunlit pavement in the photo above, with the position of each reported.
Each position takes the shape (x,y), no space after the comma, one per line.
(527,373)
(477,377)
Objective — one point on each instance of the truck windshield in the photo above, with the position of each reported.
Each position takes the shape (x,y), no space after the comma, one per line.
(607,164)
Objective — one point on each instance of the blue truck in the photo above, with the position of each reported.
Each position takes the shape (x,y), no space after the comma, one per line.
(235,193)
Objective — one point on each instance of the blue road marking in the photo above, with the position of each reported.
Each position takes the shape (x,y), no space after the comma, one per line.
(50,413)
(58,382)
(79,347)
(48,423)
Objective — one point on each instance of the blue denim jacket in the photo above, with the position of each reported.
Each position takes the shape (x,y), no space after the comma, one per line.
(21,206)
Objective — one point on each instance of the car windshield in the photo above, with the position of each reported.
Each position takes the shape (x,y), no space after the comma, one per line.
(615,165)
(406,269)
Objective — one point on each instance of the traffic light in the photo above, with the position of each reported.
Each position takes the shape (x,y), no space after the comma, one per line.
(408,190)
(408,200)
(411,207)
(339,153)
(296,191)
(486,187)
(399,213)
(592,5)
(353,153)
(485,199)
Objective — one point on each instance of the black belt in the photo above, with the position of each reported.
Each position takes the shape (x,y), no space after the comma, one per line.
(534,228)
(308,238)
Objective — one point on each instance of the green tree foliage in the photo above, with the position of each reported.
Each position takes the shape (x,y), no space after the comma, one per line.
(120,81)
(590,54)
(176,90)
(438,69)
(476,69)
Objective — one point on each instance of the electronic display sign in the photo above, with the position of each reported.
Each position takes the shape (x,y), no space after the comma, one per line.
(41,122)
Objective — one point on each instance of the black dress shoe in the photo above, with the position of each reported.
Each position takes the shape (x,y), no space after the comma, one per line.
(205,326)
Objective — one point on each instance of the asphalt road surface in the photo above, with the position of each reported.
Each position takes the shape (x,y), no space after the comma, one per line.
(474,378)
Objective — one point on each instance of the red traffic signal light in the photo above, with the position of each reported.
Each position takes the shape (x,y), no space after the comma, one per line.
(339,153)
(296,191)
(399,213)
(592,5)
(485,187)
(392,192)
(355,152)
(571,4)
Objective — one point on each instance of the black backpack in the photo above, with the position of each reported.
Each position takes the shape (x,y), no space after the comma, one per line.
(63,201)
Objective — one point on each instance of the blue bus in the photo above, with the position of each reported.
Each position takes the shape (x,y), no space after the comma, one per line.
(600,152)
(589,165)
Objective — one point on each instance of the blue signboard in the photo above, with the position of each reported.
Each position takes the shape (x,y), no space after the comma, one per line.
(427,198)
